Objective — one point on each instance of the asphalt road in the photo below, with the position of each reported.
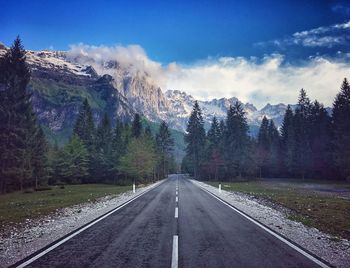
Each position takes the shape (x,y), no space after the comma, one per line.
(145,233)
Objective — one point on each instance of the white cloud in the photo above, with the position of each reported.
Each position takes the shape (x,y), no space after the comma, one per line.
(132,57)
(325,36)
(253,80)
(261,82)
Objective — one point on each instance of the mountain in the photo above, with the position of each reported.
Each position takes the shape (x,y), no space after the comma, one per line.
(182,104)
(60,81)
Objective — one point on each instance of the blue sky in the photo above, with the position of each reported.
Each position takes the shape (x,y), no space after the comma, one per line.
(182,31)
(258,51)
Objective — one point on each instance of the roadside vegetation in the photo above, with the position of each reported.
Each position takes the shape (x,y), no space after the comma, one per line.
(311,143)
(16,207)
(318,204)
(99,150)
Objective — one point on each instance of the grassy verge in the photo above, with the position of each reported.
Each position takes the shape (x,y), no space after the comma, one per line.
(17,207)
(327,213)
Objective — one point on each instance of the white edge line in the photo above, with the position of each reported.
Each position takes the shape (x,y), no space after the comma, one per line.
(176,212)
(177,199)
(175,255)
(34,258)
(301,251)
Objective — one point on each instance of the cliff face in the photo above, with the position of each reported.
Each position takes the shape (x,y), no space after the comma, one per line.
(58,88)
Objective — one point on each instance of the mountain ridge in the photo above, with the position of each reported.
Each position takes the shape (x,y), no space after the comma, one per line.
(60,82)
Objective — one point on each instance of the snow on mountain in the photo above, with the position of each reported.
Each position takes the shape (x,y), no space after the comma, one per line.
(182,104)
(137,89)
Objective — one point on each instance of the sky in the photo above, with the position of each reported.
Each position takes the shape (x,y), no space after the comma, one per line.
(258,51)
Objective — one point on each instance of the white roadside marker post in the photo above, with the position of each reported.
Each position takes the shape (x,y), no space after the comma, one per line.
(133,188)
(220,188)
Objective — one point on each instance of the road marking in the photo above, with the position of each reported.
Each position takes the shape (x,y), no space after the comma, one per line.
(176,199)
(176,193)
(176,212)
(34,258)
(175,255)
(300,250)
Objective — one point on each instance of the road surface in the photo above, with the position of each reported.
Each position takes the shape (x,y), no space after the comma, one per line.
(176,224)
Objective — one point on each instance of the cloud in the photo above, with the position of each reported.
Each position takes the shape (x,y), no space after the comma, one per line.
(132,57)
(255,80)
(260,82)
(325,36)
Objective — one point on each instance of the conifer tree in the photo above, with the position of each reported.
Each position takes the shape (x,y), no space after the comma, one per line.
(263,147)
(322,165)
(103,163)
(274,150)
(341,129)
(236,141)
(84,126)
(136,129)
(214,158)
(165,145)
(195,138)
(17,121)
(288,142)
(73,161)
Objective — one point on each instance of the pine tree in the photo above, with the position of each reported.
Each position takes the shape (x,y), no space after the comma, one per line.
(17,121)
(165,145)
(288,142)
(195,138)
(39,159)
(263,147)
(236,141)
(136,129)
(214,154)
(73,161)
(84,126)
(118,147)
(302,135)
(322,165)
(103,162)
(341,129)
(274,149)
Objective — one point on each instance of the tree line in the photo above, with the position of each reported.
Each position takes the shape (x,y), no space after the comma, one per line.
(94,153)
(311,143)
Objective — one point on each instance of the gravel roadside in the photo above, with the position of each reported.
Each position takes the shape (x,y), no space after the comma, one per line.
(19,242)
(327,247)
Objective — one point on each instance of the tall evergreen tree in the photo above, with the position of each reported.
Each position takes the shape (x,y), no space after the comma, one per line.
(84,126)
(103,163)
(214,156)
(236,141)
(73,162)
(136,129)
(195,138)
(288,142)
(18,125)
(302,135)
(322,165)
(165,145)
(274,150)
(263,146)
(341,129)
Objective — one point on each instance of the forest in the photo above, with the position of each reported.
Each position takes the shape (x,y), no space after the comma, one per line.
(95,153)
(311,144)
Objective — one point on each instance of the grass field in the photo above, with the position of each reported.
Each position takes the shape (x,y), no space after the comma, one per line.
(323,205)
(17,207)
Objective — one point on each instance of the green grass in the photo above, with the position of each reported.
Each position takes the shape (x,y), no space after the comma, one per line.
(17,207)
(328,213)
